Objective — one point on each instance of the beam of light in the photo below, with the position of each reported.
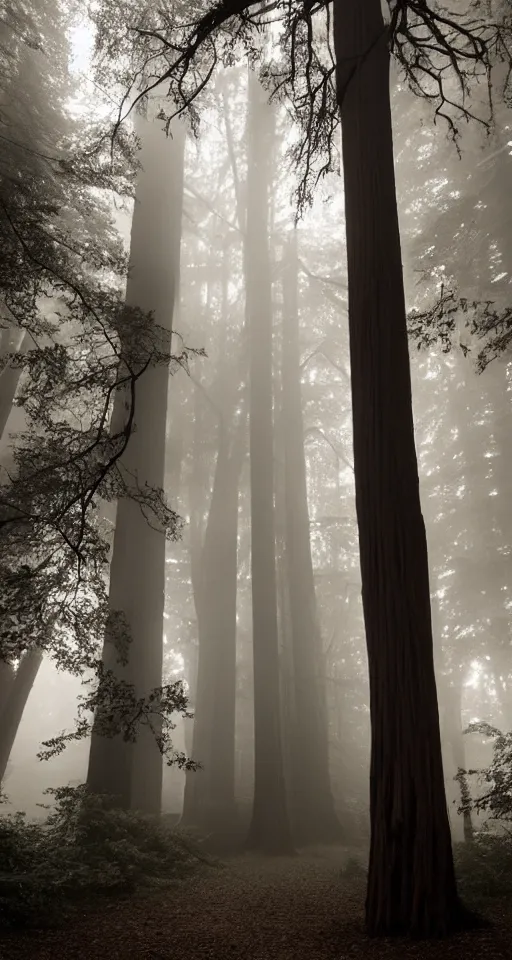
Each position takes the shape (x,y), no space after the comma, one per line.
(474,677)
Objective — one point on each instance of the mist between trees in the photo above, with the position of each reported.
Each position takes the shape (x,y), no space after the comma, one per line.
(254,400)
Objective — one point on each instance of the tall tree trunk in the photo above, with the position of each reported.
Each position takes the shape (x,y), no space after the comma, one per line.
(7,674)
(411,880)
(210,800)
(220,585)
(12,712)
(132,773)
(200,689)
(291,749)
(269,830)
(173,778)
(197,800)
(315,818)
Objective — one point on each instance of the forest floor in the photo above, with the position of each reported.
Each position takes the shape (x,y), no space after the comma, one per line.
(250,908)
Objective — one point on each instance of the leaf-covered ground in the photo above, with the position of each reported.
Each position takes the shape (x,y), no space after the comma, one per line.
(253,909)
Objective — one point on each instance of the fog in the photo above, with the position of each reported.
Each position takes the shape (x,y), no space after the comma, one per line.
(459,415)
(223,537)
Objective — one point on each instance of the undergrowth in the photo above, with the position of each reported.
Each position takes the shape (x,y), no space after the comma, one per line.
(81,851)
(484,866)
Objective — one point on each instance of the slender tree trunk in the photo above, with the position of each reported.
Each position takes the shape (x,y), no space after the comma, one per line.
(210,802)
(217,593)
(133,772)
(198,791)
(291,749)
(200,688)
(315,818)
(269,830)
(12,712)
(411,881)
(220,584)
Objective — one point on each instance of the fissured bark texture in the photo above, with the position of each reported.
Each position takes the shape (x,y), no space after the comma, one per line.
(411,882)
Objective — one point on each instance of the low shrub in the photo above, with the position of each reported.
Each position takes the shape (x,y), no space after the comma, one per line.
(484,867)
(82,850)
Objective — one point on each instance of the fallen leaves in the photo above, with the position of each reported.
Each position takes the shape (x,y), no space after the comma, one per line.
(253,909)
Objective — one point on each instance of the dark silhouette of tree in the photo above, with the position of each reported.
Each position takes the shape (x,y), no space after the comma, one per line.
(411,880)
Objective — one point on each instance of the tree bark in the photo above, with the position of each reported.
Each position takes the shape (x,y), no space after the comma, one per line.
(132,773)
(12,711)
(269,830)
(411,880)
(315,820)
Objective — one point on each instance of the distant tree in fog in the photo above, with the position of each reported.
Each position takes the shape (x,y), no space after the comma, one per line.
(133,771)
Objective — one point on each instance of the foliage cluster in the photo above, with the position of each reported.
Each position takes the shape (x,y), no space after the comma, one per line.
(496,798)
(455,321)
(83,850)
(484,866)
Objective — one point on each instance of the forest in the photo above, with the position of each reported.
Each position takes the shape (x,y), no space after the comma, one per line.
(255,470)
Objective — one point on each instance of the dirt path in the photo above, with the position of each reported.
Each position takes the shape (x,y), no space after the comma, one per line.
(249,909)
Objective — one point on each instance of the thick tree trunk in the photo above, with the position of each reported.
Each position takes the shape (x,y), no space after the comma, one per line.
(314,817)
(133,773)
(12,711)
(269,830)
(411,881)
